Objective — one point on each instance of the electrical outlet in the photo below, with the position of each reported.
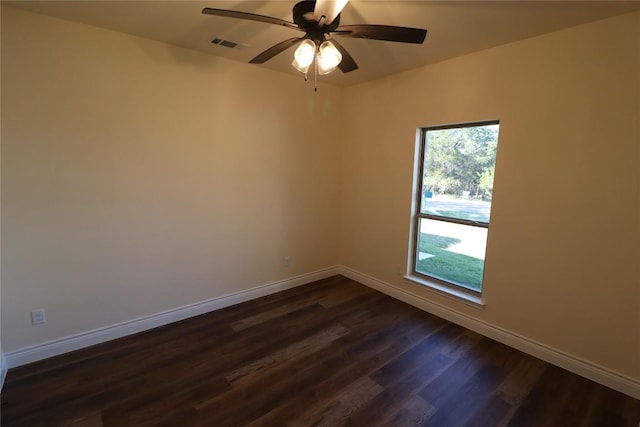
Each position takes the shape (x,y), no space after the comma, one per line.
(287,261)
(38,317)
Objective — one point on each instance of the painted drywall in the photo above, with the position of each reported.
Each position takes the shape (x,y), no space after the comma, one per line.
(138,177)
(562,259)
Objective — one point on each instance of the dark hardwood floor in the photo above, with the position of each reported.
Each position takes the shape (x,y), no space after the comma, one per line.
(330,353)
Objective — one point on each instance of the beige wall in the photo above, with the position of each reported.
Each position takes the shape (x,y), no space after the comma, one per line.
(139,177)
(562,263)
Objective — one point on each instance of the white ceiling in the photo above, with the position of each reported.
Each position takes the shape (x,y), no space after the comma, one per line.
(454,27)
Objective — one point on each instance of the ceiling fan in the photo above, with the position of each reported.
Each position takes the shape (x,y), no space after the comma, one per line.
(319,19)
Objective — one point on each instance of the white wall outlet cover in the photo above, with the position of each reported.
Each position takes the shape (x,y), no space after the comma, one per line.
(38,317)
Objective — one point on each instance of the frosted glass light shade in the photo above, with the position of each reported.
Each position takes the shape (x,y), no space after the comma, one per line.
(328,58)
(303,57)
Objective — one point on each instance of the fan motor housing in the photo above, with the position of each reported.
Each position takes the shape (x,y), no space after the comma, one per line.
(303,16)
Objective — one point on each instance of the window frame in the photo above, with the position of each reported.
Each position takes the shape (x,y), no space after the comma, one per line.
(443,285)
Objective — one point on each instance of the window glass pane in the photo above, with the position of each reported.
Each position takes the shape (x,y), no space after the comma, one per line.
(452,252)
(459,165)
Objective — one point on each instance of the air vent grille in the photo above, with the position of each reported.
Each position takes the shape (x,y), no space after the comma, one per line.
(227,43)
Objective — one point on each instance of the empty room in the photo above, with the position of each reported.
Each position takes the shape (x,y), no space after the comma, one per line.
(231,213)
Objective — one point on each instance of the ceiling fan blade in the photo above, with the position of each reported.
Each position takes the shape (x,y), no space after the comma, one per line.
(249,16)
(348,63)
(274,50)
(383,32)
(329,9)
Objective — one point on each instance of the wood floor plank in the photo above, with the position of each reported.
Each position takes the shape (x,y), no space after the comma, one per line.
(492,413)
(363,351)
(414,412)
(307,346)
(332,352)
(317,378)
(408,373)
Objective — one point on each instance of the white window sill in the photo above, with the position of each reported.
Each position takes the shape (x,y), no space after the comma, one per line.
(460,296)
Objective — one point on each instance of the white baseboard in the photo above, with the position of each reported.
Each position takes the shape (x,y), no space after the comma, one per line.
(3,369)
(599,374)
(97,336)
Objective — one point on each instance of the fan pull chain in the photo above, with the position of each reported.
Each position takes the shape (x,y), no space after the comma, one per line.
(315,82)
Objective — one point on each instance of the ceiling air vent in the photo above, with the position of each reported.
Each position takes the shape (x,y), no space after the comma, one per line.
(227,43)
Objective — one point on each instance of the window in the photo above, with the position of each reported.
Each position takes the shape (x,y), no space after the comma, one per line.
(456,165)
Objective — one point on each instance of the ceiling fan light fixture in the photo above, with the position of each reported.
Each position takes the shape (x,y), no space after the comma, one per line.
(304,55)
(328,58)
(319,19)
